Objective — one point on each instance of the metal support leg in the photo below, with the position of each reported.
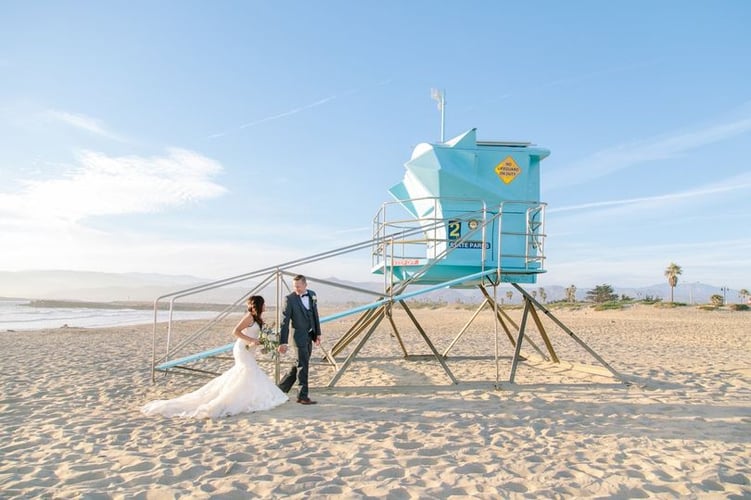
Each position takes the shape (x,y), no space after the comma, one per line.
(465,327)
(362,323)
(544,335)
(390,317)
(501,315)
(518,348)
(430,344)
(328,357)
(571,334)
(353,354)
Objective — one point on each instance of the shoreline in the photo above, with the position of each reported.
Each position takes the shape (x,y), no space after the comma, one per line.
(138,305)
(211,306)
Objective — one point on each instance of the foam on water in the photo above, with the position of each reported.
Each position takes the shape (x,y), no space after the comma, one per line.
(19,315)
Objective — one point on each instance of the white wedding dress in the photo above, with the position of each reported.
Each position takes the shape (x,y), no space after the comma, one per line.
(243,388)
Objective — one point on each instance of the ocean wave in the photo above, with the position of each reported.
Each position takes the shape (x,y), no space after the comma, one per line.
(16,315)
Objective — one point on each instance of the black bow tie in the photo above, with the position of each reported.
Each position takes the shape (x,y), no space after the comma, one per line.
(305,295)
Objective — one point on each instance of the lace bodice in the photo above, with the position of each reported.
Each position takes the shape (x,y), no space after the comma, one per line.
(253,331)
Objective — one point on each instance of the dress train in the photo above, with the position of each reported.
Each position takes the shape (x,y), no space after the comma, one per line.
(243,388)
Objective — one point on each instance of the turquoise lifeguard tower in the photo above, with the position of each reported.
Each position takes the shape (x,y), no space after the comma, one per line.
(467,214)
(478,206)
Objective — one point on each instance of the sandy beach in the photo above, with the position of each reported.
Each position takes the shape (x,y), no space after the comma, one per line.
(70,425)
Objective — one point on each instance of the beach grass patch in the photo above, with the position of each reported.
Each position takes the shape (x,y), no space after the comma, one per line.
(608,306)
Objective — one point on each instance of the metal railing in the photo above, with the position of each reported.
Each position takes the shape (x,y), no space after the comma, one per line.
(393,240)
(266,276)
(422,248)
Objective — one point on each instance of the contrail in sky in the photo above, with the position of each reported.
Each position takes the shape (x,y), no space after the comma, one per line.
(564,81)
(288,113)
(294,111)
(279,115)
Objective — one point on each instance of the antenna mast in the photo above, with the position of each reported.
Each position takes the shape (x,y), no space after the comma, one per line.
(440,97)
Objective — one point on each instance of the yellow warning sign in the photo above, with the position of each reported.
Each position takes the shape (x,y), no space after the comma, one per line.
(507,170)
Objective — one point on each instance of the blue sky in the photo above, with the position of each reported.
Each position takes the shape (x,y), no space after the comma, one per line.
(215,138)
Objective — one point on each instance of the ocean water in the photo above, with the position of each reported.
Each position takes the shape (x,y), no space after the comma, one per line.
(18,315)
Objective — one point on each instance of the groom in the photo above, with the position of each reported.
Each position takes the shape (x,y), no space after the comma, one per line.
(301,309)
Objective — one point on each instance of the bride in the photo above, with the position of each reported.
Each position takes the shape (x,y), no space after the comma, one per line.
(242,388)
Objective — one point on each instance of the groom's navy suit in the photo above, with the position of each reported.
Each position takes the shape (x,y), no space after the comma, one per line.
(306,328)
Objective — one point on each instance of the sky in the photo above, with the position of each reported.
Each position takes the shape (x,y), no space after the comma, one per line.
(213,139)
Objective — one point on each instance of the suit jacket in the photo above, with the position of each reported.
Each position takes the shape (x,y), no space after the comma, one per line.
(305,323)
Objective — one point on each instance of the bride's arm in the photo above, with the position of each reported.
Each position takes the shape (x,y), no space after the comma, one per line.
(242,325)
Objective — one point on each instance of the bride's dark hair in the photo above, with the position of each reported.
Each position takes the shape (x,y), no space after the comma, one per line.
(255,308)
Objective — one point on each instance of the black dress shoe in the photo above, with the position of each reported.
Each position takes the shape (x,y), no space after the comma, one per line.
(306,401)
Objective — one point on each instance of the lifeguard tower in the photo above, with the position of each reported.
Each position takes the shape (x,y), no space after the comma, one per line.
(467,214)
(478,204)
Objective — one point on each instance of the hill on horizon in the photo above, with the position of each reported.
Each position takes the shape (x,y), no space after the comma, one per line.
(139,287)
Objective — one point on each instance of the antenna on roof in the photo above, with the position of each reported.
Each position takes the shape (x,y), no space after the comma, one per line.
(440,97)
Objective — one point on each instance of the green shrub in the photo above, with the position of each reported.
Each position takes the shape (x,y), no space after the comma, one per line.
(669,305)
(566,306)
(608,305)
(739,307)
(651,299)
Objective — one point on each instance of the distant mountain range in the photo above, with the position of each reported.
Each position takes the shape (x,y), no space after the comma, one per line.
(140,287)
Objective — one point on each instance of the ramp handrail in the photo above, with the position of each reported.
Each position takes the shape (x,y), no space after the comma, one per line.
(270,273)
(386,235)
(339,315)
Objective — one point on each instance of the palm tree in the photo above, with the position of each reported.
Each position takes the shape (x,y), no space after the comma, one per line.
(509,294)
(743,293)
(671,273)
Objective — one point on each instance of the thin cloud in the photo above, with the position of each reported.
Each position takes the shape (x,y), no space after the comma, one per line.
(734,184)
(297,110)
(103,185)
(83,122)
(278,116)
(563,81)
(612,160)
(595,74)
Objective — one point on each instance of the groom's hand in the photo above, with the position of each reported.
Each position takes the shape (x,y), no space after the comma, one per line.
(282,348)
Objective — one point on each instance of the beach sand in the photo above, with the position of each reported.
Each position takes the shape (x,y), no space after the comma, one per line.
(70,425)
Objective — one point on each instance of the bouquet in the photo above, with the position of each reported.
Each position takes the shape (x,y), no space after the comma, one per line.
(269,341)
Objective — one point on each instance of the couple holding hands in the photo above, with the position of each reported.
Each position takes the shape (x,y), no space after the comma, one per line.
(245,387)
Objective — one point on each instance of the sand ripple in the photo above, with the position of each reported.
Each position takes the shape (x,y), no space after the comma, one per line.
(70,426)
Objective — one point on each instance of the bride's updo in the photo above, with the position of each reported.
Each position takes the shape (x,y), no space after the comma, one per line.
(255,308)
